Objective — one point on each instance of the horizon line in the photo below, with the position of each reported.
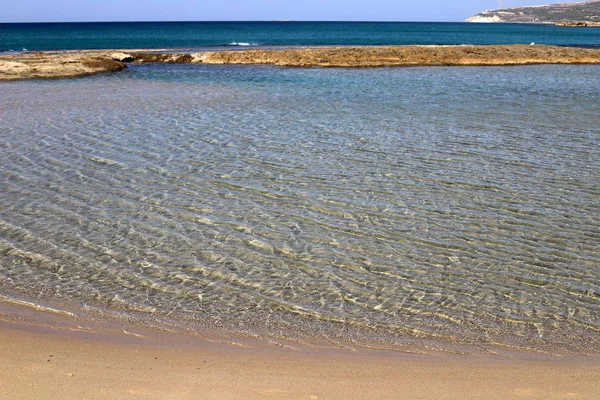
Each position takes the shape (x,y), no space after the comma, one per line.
(224,21)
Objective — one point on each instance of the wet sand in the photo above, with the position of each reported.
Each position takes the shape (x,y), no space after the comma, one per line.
(80,63)
(72,360)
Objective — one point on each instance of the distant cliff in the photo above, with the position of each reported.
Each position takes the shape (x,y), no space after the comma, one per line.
(588,11)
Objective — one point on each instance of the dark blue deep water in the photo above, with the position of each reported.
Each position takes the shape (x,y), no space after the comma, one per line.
(52,36)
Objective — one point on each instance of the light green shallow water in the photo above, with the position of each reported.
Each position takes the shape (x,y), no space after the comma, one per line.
(456,208)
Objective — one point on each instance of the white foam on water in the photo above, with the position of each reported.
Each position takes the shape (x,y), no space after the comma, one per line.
(35,306)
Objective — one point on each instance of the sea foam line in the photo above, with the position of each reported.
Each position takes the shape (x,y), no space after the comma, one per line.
(35,306)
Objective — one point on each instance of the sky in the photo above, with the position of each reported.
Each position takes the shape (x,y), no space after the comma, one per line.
(248,10)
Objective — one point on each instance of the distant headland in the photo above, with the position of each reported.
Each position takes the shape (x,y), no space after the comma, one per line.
(584,14)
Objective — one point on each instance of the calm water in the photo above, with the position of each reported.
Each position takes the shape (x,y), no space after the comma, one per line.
(202,34)
(457,208)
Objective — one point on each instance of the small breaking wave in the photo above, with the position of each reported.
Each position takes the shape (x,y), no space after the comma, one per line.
(242,44)
(35,306)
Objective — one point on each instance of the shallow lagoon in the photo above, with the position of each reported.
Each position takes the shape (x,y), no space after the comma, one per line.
(454,208)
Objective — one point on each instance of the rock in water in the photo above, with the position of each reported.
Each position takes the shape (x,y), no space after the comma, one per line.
(122,57)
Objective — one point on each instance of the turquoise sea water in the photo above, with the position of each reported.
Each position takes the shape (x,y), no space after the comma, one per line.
(52,36)
(453,208)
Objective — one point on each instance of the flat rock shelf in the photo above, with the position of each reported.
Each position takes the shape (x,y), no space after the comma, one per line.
(29,65)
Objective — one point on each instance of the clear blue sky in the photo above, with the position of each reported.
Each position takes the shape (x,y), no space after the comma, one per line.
(247,10)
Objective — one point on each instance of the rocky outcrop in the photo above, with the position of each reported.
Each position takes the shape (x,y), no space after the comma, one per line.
(53,65)
(122,57)
(588,11)
(584,24)
(180,58)
(387,56)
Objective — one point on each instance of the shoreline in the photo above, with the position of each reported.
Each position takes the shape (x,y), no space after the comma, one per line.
(67,317)
(69,64)
(46,362)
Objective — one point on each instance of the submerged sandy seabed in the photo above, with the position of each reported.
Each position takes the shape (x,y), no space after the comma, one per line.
(48,353)
(81,63)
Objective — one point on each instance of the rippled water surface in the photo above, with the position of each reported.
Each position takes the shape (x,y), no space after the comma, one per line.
(446,207)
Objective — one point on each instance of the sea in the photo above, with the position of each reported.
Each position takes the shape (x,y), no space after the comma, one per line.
(452,209)
(190,35)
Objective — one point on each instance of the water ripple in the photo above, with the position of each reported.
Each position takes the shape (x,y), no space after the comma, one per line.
(445,207)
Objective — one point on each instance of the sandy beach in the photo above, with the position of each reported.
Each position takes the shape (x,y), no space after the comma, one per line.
(70,359)
(80,63)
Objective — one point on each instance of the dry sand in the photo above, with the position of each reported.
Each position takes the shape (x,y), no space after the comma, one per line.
(71,362)
(80,63)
